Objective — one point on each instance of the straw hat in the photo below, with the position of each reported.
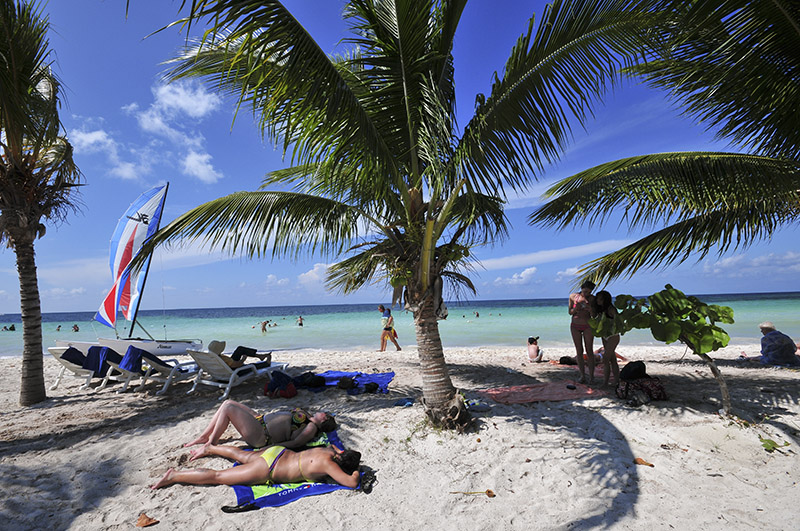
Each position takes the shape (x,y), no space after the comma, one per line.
(767,325)
(216,347)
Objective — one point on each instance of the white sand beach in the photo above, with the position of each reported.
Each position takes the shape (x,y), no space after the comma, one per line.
(85,460)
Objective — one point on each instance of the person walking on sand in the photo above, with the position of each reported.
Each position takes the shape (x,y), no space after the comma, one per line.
(388,333)
(580,305)
(275,464)
(604,306)
(291,429)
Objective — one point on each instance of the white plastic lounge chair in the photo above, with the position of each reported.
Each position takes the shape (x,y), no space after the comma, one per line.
(125,369)
(214,371)
(167,371)
(73,362)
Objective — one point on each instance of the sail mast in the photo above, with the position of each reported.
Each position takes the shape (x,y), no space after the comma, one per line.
(146,271)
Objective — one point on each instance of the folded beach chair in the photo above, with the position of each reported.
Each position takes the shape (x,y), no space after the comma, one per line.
(124,369)
(71,359)
(215,372)
(167,371)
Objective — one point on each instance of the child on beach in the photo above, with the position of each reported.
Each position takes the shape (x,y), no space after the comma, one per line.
(290,429)
(534,352)
(275,464)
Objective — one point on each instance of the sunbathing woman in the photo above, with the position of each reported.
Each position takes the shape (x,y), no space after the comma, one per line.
(580,309)
(275,464)
(604,306)
(291,429)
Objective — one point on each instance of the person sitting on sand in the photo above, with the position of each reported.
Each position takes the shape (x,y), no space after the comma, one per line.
(776,348)
(534,352)
(275,464)
(291,429)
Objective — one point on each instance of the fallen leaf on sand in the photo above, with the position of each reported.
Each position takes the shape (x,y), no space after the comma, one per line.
(489,492)
(640,461)
(145,521)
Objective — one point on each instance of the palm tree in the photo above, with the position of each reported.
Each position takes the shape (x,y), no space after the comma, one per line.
(37,173)
(733,65)
(381,176)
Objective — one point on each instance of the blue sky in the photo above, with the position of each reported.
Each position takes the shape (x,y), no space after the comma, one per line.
(132,132)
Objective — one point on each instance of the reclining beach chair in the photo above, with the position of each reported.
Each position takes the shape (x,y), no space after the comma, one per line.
(167,371)
(71,359)
(215,372)
(122,369)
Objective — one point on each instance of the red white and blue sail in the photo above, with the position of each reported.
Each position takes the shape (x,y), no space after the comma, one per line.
(138,224)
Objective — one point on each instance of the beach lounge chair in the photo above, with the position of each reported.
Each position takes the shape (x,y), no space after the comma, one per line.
(123,369)
(215,372)
(71,359)
(167,371)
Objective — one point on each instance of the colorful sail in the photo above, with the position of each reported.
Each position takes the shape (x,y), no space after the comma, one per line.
(139,223)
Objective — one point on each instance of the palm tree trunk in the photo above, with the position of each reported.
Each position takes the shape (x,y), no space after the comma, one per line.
(32,388)
(443,405)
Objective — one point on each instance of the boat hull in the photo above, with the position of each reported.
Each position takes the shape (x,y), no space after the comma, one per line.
(172,347)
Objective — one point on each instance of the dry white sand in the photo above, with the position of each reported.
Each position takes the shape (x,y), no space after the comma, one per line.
(84,460)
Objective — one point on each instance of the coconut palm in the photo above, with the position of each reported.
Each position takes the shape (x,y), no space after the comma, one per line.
(382,177)
(734,66)
(37,173)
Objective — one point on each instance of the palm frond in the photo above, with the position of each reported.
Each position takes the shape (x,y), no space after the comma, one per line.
(651,190)
(722,230)
(552,77)
(258,224)
(733,65)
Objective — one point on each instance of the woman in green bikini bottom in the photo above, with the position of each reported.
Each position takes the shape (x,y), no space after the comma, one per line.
(290,429)
(275,464)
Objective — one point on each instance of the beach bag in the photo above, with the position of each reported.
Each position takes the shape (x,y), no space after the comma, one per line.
(346,383)
(643,390)
(280,385)
(634,370)
(309,379)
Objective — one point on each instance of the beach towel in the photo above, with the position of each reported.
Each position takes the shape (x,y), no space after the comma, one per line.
(381,378)
(598,368)
(521,394)
(251,497)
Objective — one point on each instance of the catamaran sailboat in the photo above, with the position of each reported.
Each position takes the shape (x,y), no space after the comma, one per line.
(139,223)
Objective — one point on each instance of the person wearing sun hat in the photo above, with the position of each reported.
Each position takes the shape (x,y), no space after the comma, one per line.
(776,347)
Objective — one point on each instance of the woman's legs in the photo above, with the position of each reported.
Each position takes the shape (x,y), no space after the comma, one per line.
(577,339)
(610,359)
(588,339)
(243,419)
(384,338)
(253,469)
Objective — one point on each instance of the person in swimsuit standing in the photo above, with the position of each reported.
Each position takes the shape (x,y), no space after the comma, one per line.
(604,306)
(291,429)
(275,464)
(387,334)
(580,308)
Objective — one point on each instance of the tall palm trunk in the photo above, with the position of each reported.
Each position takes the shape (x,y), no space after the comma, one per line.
(442,404)
(32,389)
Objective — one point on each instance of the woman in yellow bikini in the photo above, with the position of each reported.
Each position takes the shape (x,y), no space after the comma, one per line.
(275,464)
(290,429)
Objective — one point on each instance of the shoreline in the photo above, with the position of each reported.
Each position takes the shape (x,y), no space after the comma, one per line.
(84,460)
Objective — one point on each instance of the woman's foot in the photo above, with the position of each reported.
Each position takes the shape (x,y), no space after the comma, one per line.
(199,452)
(203,439)
(165,481)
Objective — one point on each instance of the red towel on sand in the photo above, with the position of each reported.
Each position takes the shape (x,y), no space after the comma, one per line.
(521,394)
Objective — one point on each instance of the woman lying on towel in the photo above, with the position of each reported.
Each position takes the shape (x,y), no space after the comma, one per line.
(275,464)
(290,429)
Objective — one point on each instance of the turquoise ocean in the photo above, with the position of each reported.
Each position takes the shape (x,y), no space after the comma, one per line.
(357,326)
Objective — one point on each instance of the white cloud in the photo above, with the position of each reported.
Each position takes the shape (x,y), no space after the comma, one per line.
(199,165)
(553,255)
(186,97)
(769,265)
(273,280)
(314,278)
(99,141)
(517,279)
(569,273)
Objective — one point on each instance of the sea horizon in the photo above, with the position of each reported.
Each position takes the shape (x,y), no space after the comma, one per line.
(472,323)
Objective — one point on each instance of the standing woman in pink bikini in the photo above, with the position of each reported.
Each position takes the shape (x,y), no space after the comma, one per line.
(580,305)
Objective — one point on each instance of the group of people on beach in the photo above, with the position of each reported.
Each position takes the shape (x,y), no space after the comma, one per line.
(278,437)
